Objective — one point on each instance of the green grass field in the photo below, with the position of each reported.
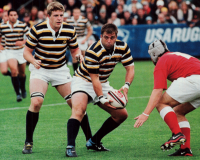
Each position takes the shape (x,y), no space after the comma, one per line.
(126,142)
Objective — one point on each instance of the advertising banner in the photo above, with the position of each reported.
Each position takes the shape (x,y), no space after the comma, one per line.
(178,37)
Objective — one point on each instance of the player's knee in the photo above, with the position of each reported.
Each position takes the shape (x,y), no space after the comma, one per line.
(36,104)
(37,99)
(78,112)
(119,118)
(14,72)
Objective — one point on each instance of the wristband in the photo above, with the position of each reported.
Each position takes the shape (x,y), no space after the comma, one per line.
(103,100)
(127,85)
(145,114)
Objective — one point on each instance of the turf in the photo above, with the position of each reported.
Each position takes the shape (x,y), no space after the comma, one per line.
(126,142)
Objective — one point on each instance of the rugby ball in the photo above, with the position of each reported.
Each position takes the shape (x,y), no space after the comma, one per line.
(117,97)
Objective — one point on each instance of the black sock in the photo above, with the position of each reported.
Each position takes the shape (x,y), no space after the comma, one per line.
(107,127)
(31,121)
(72,131)
(75,66)
(8,73)
(22,81)
(86,127)
(15,83)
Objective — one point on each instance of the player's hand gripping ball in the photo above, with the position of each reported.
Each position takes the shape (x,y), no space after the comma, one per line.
(117,97)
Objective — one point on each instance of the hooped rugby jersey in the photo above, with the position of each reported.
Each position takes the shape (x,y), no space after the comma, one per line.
(11,35)
(49,48)
(81,24)
(98,61)
(2,37)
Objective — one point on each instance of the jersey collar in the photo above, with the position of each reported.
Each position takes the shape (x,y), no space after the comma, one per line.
(52,31)
(105,49)
(16,23)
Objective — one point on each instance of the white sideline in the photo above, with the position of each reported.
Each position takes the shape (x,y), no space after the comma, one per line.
(57,104)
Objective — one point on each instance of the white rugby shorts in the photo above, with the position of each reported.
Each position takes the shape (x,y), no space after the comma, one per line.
(80,85)
(3,56)
(16,54)
(186,90)
(56,77)
(84,46)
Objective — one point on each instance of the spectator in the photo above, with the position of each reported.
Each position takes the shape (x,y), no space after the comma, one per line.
(133,11)
(98,4)
(65,16)
(159,5)
(109,8)
(148,20)
(184,14)
(89,8)
(41,17)
(1,14)
(90,18)
(134,2)
(120,11)
(134,20)
(141,16)
(83,7)
(146,8)
(33,15)
(71,4)
(122,21)
(161,19)
(115,20)
(21,13)
(173,7)
(26,19)
(102,17)
(109,20)
(169,18)
(122,3)
(127,17)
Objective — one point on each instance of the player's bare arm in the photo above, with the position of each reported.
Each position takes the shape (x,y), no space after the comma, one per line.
(128,79)
(20,43)
(98,90)
(89,33)
(153,101)
(29,57)
(1,47)
(76,54)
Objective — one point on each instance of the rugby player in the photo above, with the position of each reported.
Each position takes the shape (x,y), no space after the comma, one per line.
(50,40)
(90,84)
(15,33)
(183,94)
(81,24)
(3,59)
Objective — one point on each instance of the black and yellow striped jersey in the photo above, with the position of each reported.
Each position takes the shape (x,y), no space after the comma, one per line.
(49,48)
(81,25)
(98,60)
(2,37)
(11,35)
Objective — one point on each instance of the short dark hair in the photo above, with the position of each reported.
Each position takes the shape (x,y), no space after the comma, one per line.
(109,28)
(12,10)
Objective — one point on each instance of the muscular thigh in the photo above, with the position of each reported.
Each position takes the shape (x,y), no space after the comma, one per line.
(166,100)
(38,85)
(64,89)
(13,64)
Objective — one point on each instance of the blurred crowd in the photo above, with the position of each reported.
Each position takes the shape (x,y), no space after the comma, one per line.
(119,12)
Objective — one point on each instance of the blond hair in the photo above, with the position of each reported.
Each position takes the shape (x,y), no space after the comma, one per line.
(54,6)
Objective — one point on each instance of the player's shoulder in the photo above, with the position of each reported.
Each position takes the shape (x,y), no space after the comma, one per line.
(95,48)
(67,26)
(120,43)
(41,25)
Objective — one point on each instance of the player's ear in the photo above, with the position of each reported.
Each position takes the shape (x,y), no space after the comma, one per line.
(101,35)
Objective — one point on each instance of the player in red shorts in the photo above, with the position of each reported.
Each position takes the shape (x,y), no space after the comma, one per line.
(180,98)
